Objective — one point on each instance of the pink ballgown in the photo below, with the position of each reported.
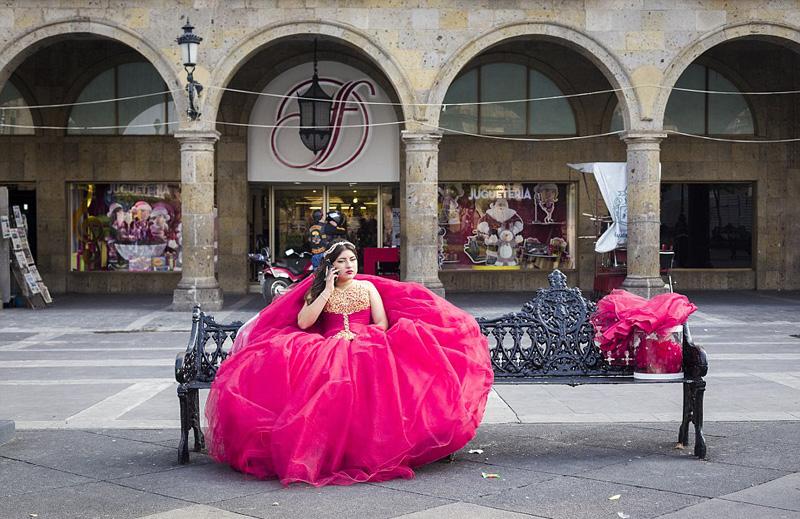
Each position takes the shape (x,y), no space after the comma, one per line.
(345,402)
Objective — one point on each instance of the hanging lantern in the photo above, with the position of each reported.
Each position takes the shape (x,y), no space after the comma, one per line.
(315,114)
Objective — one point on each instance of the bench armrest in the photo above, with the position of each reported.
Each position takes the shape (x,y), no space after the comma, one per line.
(187,363)
(695,360)
(196,364)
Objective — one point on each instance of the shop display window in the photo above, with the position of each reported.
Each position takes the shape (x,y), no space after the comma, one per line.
(708,225)
(132,227)
(294,209)
(359,205)
(506,226)
(390,198)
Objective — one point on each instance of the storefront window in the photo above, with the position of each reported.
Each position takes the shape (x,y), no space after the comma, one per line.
(258,224)
(506,226)
(701,112)
(294,209)
(125,226)
(390,200)
(142,116)
(19,116)
(360,207)
(708,225)
(485,90)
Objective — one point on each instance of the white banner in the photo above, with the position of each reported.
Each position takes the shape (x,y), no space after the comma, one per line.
(356,154)
(612,181)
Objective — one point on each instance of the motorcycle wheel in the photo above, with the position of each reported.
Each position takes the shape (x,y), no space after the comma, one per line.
(274,287)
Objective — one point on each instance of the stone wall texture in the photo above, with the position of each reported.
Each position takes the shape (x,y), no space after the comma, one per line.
(416,49)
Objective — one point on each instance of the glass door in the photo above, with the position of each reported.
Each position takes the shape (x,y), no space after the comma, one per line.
(359,205)
(294,210)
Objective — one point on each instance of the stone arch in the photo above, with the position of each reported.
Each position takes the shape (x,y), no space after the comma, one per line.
(23,45)
(601,57)
(225,70)
(29,97)
(784,34)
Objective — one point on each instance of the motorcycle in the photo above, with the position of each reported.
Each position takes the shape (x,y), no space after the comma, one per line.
(277,278)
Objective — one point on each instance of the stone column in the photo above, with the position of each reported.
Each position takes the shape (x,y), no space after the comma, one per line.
(419,216)
(198,285)
(644,213)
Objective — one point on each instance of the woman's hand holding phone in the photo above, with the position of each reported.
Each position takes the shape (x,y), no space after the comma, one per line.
(330,277)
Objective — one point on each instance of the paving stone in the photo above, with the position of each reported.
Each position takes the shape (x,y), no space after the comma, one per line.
(51,403)
(197,512)
(780,493)
(93,500)
(335,502)
(688,476)
(747,451)
(91,455)
(203,483)
(19,477)
(169,437)
(722,509)
(464,479)
(570,497)
(635,439)
(466,510)
(532,453)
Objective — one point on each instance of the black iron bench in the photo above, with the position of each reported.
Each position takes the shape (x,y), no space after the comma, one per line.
(195,369)
(551,341)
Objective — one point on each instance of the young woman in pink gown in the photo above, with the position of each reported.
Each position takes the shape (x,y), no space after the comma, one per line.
(349,378)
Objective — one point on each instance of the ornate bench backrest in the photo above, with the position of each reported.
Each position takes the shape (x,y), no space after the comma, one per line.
(551,336)
(209,344)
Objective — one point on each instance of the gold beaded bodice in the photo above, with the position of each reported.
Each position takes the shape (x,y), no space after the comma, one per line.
(345,302)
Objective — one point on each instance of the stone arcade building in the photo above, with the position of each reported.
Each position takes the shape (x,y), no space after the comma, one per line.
(132,196)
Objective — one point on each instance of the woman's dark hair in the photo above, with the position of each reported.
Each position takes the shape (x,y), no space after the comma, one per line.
(333,252)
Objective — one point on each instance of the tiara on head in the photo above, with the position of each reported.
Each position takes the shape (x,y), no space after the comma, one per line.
(330,249)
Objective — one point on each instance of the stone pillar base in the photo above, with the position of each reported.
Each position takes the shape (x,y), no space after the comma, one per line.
(6,430)
(646,287)
(184,299)
(435,286)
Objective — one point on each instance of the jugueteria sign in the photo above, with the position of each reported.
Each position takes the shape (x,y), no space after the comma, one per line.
(512,191)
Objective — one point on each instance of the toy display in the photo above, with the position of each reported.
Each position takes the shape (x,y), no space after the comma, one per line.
(504,226)
(133,227)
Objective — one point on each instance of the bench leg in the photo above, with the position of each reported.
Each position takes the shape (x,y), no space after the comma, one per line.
(683,432)
(183,445)
(698,389)
(199,438)
(693,392)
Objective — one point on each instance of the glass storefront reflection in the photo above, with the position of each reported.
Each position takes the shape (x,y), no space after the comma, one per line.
(360,208)
(293,216)
(280,217)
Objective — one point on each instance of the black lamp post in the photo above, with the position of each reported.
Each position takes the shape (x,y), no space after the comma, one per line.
(189,42)
(315,114)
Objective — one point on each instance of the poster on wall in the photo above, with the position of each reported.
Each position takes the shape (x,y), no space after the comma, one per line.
(5,227)
(133,227)
(15,241)
(514,226)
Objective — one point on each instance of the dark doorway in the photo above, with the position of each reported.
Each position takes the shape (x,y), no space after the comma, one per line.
(24,196)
